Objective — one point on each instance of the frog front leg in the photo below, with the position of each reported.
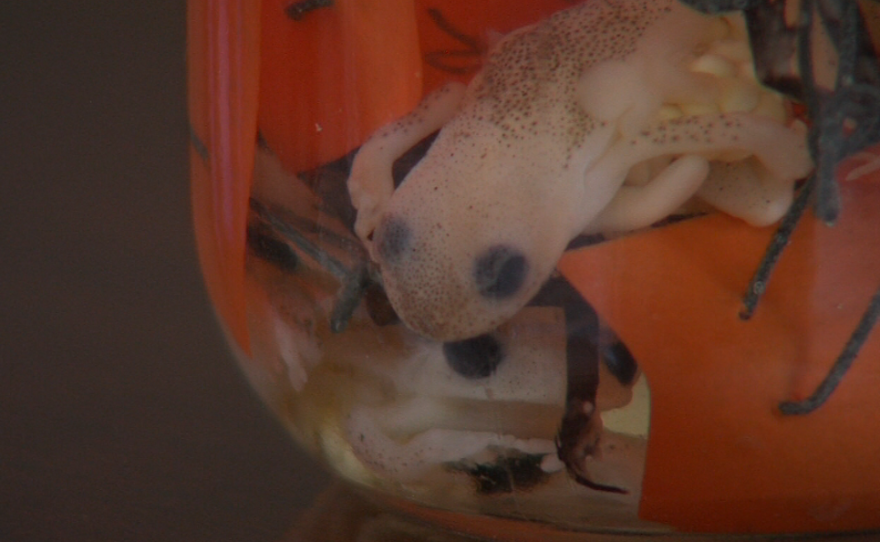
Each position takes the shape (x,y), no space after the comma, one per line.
(370,183)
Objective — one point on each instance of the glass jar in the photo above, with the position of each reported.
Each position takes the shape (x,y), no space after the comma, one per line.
(600,267)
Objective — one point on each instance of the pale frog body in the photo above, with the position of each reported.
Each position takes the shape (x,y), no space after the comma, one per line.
(605,117)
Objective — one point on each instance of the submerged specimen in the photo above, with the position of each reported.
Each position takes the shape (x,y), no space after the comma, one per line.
(606,117)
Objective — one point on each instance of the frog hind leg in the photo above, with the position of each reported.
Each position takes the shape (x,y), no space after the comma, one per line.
(370,183)
(746,189)
(779,149)
(634,207)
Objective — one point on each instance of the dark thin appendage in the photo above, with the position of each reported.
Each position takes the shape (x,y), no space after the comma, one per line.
(845,121)
(298,10)
(348,298)
(266,246)
(811,97)
(199,146)
(841,365)
(331,264)
(831,136)
(856,99)
(780,240)
(717,7)
(354,281)
(443,24)
(437,59)
(327,236)
(580,430)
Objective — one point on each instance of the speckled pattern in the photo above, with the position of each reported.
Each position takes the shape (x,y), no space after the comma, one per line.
(542,65)
(540,146)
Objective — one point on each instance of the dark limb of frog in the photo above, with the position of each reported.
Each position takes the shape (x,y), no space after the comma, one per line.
(581,429)
(780,240)
(855,97)
(841,364)
(456,61)
(845,119)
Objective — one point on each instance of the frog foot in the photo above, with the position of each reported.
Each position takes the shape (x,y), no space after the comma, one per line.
(370,183)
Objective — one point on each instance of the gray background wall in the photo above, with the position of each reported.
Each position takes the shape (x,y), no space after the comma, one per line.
(122,415)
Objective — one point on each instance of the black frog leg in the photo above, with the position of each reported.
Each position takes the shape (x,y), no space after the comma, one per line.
(855,101)
(850,116)
(617,357)
(720,7)
(825,133)
(841,365)
(849,32)
(841,21)
(263,243)
(780,240)
(581,427)
(455,61)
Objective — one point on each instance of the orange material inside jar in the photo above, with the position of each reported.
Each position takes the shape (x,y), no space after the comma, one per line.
(317,88)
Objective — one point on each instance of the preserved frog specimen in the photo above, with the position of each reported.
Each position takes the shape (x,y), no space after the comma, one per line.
(606,117)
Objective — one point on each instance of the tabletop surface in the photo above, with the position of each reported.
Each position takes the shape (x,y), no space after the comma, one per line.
(122,414)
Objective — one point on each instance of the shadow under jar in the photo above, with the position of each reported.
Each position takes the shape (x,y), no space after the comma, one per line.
(608,267)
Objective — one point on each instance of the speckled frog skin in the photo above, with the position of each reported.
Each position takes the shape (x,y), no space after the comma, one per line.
(603,118)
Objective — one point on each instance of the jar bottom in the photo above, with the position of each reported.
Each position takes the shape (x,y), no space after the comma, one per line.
(344,513)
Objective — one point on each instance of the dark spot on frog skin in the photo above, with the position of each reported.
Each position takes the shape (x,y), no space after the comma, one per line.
(474,358)
(500,272)
(392,237)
